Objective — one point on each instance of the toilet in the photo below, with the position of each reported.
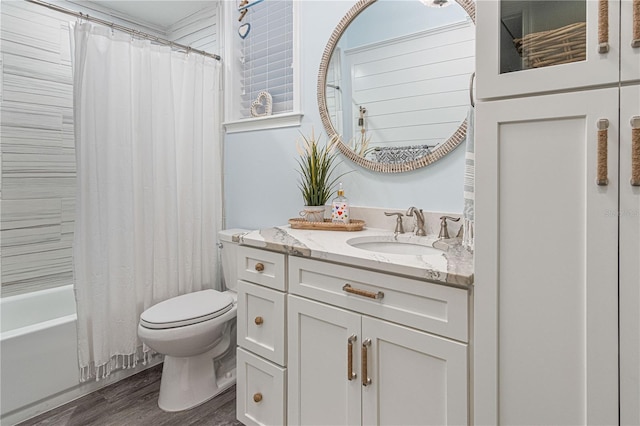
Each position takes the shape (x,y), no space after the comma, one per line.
(193,330)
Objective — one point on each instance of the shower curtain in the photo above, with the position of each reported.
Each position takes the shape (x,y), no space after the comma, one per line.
(148,199)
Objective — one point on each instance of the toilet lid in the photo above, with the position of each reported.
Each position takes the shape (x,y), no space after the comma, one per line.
(187,309)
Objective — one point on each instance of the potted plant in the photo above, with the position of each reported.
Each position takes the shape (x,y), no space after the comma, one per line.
(317,164)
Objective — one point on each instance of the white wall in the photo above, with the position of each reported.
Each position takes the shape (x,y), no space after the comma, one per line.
(260,166)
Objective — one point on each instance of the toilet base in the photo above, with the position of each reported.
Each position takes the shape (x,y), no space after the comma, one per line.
(191,381)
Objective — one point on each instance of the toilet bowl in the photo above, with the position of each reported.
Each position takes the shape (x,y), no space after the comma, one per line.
(191,331)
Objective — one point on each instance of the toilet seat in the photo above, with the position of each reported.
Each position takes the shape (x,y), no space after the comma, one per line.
(186,309)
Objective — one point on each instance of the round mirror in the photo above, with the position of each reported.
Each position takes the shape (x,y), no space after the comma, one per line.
(395,81)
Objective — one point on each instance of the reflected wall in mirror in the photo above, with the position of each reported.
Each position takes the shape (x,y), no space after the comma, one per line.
(395,81)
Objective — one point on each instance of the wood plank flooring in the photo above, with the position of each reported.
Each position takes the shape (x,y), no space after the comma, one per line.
(134,402)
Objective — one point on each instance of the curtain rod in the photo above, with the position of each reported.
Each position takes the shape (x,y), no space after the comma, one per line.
(131,31)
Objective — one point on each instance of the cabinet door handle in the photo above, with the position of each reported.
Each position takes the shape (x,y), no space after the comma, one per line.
(366,380)
(603,26)
(603,126)
(257,397)
(635,148)
(351,375)
(259,267)
(259,320)
(370,294)
(635,42)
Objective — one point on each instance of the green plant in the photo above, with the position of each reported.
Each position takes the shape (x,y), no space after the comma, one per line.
(317,164)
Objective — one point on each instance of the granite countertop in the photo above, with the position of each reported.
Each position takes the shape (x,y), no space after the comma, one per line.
(453,266)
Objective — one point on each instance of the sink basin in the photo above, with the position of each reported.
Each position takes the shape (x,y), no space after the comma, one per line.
(408,246)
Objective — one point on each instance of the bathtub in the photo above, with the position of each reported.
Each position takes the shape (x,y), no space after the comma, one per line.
(38,349)
(39,356)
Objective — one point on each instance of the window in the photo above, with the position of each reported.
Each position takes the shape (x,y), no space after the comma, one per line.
(262,61)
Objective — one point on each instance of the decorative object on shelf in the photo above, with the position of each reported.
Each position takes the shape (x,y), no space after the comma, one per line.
(317,165)
(327,225)
(262,106)
(243,30)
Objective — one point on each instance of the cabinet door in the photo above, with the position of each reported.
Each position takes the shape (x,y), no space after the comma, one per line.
(546,262)
(629,264)
(416,378)
(630,41)
(319,391)
(505,70)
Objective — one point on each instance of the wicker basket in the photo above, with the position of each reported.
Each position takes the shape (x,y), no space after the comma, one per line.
(554,47)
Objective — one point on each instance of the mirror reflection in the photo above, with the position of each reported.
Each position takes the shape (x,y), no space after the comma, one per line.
(397,80)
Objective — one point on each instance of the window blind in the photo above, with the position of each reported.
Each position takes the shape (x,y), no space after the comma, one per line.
(267,56)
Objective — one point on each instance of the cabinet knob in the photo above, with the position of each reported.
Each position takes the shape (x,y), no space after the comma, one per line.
(259,320)
(259,267)
(257,397)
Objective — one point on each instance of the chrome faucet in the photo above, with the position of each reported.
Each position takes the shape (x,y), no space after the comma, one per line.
(419,220)
(399,229)
(444,231)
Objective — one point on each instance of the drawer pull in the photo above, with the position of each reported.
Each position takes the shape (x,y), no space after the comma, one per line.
(603,26)
(635,43)
(602,178)
(364,293)
(350,373)
(366,380)
(259,267)
(259,320)
(635,148)
(257,397)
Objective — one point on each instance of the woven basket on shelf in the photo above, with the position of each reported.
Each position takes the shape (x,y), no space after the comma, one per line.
(554,47)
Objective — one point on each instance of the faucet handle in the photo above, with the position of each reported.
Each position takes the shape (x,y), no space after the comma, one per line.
(444,232)
(399,228)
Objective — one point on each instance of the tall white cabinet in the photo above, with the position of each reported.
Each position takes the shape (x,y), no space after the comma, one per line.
(557,222)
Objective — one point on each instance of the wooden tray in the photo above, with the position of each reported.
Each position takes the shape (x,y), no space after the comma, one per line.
(327,225)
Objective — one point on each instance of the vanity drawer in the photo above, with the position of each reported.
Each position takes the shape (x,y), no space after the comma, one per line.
(260,391)
(261,321)
(262,267)
(426,306)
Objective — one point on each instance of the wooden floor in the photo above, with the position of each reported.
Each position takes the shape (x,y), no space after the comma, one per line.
(134,402)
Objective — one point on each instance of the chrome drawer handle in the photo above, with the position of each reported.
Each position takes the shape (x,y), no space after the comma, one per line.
(366,380)
(603,26)
(370,294)
(603,136)
(635,147)
(350,374)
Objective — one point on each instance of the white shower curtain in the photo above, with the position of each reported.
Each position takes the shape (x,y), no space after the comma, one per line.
(148,203)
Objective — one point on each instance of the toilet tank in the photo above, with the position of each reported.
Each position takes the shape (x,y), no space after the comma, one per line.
(228,256)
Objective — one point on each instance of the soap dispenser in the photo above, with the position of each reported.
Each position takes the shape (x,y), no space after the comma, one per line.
(340,207)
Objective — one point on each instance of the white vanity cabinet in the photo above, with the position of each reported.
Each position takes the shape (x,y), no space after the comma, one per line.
(503,70)
(345,366)
(261,362)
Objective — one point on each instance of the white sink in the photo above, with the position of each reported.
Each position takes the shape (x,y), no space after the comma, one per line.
(412,246)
